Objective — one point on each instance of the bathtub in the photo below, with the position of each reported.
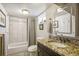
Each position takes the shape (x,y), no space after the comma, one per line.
(17,47)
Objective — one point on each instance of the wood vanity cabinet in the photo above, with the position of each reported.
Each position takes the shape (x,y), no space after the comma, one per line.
(45,51)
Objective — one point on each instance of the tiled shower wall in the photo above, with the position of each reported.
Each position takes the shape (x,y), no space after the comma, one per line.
(18,30)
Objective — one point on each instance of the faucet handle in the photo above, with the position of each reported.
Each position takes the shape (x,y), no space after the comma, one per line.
(59,38)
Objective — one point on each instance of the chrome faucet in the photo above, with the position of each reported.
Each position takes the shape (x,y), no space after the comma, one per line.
(62,39)
(59,38)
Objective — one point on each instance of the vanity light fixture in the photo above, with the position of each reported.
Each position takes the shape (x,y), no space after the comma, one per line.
(59,10)
(44,19)
(25,11)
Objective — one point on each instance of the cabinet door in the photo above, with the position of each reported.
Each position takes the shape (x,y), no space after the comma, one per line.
(0,46)
(41,52)
(45,51)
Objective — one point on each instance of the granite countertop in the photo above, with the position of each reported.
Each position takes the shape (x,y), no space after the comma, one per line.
(69,50)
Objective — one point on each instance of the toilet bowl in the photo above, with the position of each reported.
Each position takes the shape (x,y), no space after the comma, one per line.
(32,50)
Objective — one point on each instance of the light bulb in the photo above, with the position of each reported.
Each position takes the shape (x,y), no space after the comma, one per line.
(25,12)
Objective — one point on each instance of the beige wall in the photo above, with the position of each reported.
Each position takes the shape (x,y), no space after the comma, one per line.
(77,20)
(41,33)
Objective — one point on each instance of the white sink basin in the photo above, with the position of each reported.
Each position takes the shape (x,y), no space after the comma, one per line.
(58,44)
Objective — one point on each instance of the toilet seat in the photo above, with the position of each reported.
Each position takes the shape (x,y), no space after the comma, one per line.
(32,48)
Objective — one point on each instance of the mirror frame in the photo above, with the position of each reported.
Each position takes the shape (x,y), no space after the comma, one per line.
(70,20)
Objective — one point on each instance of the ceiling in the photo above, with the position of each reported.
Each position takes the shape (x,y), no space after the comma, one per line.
(35,9)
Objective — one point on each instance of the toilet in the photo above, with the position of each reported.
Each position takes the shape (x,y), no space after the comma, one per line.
(32,50)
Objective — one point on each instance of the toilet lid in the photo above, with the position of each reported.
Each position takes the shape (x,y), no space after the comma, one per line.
(32,48)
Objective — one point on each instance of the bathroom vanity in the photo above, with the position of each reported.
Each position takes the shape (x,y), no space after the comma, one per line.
(50,48)
(45,51)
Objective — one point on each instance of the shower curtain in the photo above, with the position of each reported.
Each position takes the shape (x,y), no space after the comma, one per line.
(31,32)
(18,31)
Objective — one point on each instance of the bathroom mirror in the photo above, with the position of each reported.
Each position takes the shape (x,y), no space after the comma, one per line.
(64,18)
